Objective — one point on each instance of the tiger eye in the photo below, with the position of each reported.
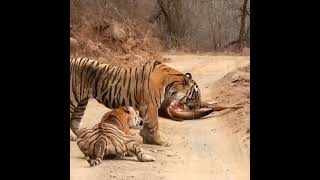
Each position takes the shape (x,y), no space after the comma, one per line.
(188,75)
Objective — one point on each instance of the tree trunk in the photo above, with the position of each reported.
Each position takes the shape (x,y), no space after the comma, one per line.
(241,37)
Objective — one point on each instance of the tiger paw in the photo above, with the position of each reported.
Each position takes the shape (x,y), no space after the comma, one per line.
(94,162)
(147,158)
(73,138)
(152,138)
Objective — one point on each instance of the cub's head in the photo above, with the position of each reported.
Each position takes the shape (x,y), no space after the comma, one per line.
(124,118)
(133,118)
(183,88)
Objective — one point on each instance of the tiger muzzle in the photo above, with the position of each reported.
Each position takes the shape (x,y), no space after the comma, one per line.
(140,123)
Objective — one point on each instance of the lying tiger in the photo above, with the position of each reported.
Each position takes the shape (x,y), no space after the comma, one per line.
(112,137)
(143,88)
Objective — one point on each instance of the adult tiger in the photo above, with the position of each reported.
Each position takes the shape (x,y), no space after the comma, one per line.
(143,88)
(111,137)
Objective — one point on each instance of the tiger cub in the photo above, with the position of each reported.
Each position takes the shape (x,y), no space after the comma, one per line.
(111,137)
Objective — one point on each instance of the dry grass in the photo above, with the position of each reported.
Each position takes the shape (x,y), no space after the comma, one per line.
(120,33)
(101,31)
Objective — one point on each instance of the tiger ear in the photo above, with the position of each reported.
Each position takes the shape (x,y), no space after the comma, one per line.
(188,75)
(126,109)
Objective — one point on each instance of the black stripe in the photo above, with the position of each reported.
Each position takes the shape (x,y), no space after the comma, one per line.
(116,86)
(106,89)
(88,68)
(128,90)
(71,104)
(83,67)
(118,95)
(192,93)
(103,98)
(109,98)
(115,75)
(145,113)
(183,97)
(97,80)
(93,78)
(169,86)
(86,133)
(125,77)
(85,84)
(143,76)
(130,101)
(75,118)
(137,101)
(74,81)
(92,75)
(123,103)
(137,86)
(107,77)
(148,81)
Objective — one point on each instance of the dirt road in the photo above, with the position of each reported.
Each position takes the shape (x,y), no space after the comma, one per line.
(200,149)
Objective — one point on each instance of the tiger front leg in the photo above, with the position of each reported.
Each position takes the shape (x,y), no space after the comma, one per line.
(135,149)
(150,131)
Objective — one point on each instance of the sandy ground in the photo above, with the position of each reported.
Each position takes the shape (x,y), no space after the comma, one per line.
(216,147)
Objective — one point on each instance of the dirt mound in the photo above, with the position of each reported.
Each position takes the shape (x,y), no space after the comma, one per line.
(232,89)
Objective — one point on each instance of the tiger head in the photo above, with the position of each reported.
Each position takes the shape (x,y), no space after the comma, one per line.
(124,117)
(134,120)
(184,89)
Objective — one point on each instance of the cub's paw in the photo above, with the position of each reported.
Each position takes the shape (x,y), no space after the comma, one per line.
(73,138)
(147,158)
(95,162)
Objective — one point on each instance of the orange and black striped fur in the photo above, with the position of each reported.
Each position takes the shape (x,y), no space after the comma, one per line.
(109,138)
(143,88)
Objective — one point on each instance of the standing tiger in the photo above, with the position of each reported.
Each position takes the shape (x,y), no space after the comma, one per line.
(109,137)
(143,88)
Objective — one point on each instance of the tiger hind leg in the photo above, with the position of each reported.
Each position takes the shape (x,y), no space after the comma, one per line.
(73,136)
(99,155)
(75,118)
(86,153)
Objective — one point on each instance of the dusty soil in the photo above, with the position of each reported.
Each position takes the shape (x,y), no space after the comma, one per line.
(215,147)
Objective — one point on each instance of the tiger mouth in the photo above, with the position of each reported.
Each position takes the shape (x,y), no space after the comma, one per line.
(177,106)
(180,111)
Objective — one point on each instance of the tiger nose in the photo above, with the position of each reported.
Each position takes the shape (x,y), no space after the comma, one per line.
(141,123)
